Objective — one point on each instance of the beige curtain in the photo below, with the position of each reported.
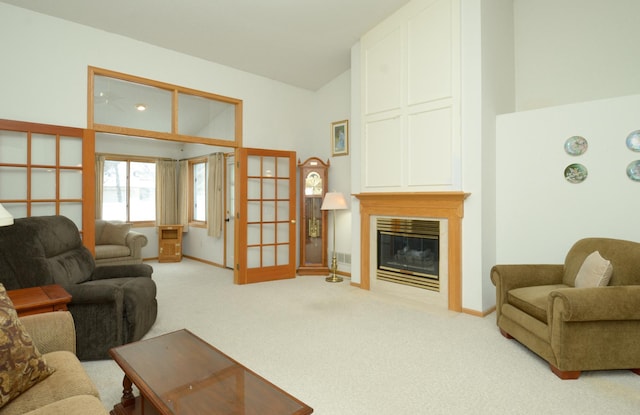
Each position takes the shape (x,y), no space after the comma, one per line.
(183,195)
(99,184)
(215,194)
(166,200)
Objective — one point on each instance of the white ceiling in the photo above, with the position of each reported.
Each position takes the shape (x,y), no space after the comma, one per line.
(305,43)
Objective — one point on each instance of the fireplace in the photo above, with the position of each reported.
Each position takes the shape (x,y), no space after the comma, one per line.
(408,252)
(447,207)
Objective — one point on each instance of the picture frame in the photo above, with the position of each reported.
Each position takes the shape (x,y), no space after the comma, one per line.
(340,138)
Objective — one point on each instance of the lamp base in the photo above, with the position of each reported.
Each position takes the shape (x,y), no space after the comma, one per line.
(333,278)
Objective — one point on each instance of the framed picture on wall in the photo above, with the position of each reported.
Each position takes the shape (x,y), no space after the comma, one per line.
(340,138)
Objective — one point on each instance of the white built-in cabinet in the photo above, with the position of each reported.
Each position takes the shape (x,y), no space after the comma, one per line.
(410,99)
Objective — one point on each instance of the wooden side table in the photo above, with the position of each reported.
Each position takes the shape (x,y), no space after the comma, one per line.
(169,243)
(41,299)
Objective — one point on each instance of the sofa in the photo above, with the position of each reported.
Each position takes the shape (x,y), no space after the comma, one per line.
(116,243)
(578,316)
(111,305)
(40,373)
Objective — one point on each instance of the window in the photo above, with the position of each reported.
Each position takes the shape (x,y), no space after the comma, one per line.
(129,192)
(199,195)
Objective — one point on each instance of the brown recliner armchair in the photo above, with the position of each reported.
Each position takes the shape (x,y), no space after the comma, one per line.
(111,305)
(568,314)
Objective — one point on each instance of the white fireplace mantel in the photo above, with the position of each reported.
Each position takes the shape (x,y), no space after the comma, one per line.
(445,205)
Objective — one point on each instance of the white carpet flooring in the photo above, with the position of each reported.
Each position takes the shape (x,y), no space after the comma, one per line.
(343,350)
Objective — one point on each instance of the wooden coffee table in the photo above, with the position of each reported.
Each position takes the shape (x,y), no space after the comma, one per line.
(179,373)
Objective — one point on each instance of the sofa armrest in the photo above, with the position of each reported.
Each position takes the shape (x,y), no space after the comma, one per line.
(508,277)
(51,332)
(595,304)
(121,271)
(136,241)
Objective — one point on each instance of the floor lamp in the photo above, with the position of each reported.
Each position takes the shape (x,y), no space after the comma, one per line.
(334,201)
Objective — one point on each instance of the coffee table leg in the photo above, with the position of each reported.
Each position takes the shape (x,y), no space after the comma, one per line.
(127,392)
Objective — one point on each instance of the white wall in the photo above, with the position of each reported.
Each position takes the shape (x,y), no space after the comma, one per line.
(571,51)
(332,103)
(539,213)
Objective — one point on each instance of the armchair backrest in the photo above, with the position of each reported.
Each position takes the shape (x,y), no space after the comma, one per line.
(111,232)
(41,250)
(624,257)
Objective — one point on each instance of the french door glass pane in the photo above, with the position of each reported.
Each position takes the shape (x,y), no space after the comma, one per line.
(253,189)
(268,233)
(283,189)
(283,254)
(253,166)
(43,184)
(43,209)
(268,256)
(70,184)
(283,210)
(268,167)
(268,189)
(253,211)
(283,167)
(70,151)
(253,257)
(253,234)
(143,191)
(283,232)
(14,147)
(72,210)
(43,149)
(268,211)
(13,183)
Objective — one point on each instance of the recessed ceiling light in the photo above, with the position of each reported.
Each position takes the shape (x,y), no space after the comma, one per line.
(141,107)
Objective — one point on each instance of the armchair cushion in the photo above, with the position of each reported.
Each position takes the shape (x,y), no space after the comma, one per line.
(533,300)
(21,364)
(112,233)
(594,272)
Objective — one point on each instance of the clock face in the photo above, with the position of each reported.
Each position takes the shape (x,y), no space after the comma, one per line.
(313,184)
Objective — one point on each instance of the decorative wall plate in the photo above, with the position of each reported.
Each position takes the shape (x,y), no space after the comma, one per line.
(575,173)
(633,140)
(576,145)
(633,170)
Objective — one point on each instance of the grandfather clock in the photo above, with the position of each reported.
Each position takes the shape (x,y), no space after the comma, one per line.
(313,221)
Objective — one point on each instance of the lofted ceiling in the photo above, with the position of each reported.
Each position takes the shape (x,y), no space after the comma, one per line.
(304,43)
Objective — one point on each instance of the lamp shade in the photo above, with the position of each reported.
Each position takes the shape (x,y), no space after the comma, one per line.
(5,217)
(334,201)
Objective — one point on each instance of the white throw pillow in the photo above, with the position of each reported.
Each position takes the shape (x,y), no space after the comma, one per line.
(594,272)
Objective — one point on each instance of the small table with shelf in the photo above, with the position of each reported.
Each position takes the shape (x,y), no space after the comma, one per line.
(43,299)
(169,243)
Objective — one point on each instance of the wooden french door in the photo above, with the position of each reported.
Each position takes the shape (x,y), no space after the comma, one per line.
(265,215)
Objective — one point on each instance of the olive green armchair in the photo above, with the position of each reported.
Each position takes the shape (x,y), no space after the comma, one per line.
(580,315)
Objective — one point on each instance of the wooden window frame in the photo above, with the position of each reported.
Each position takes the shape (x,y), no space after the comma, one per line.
(128,160)
(175,90)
